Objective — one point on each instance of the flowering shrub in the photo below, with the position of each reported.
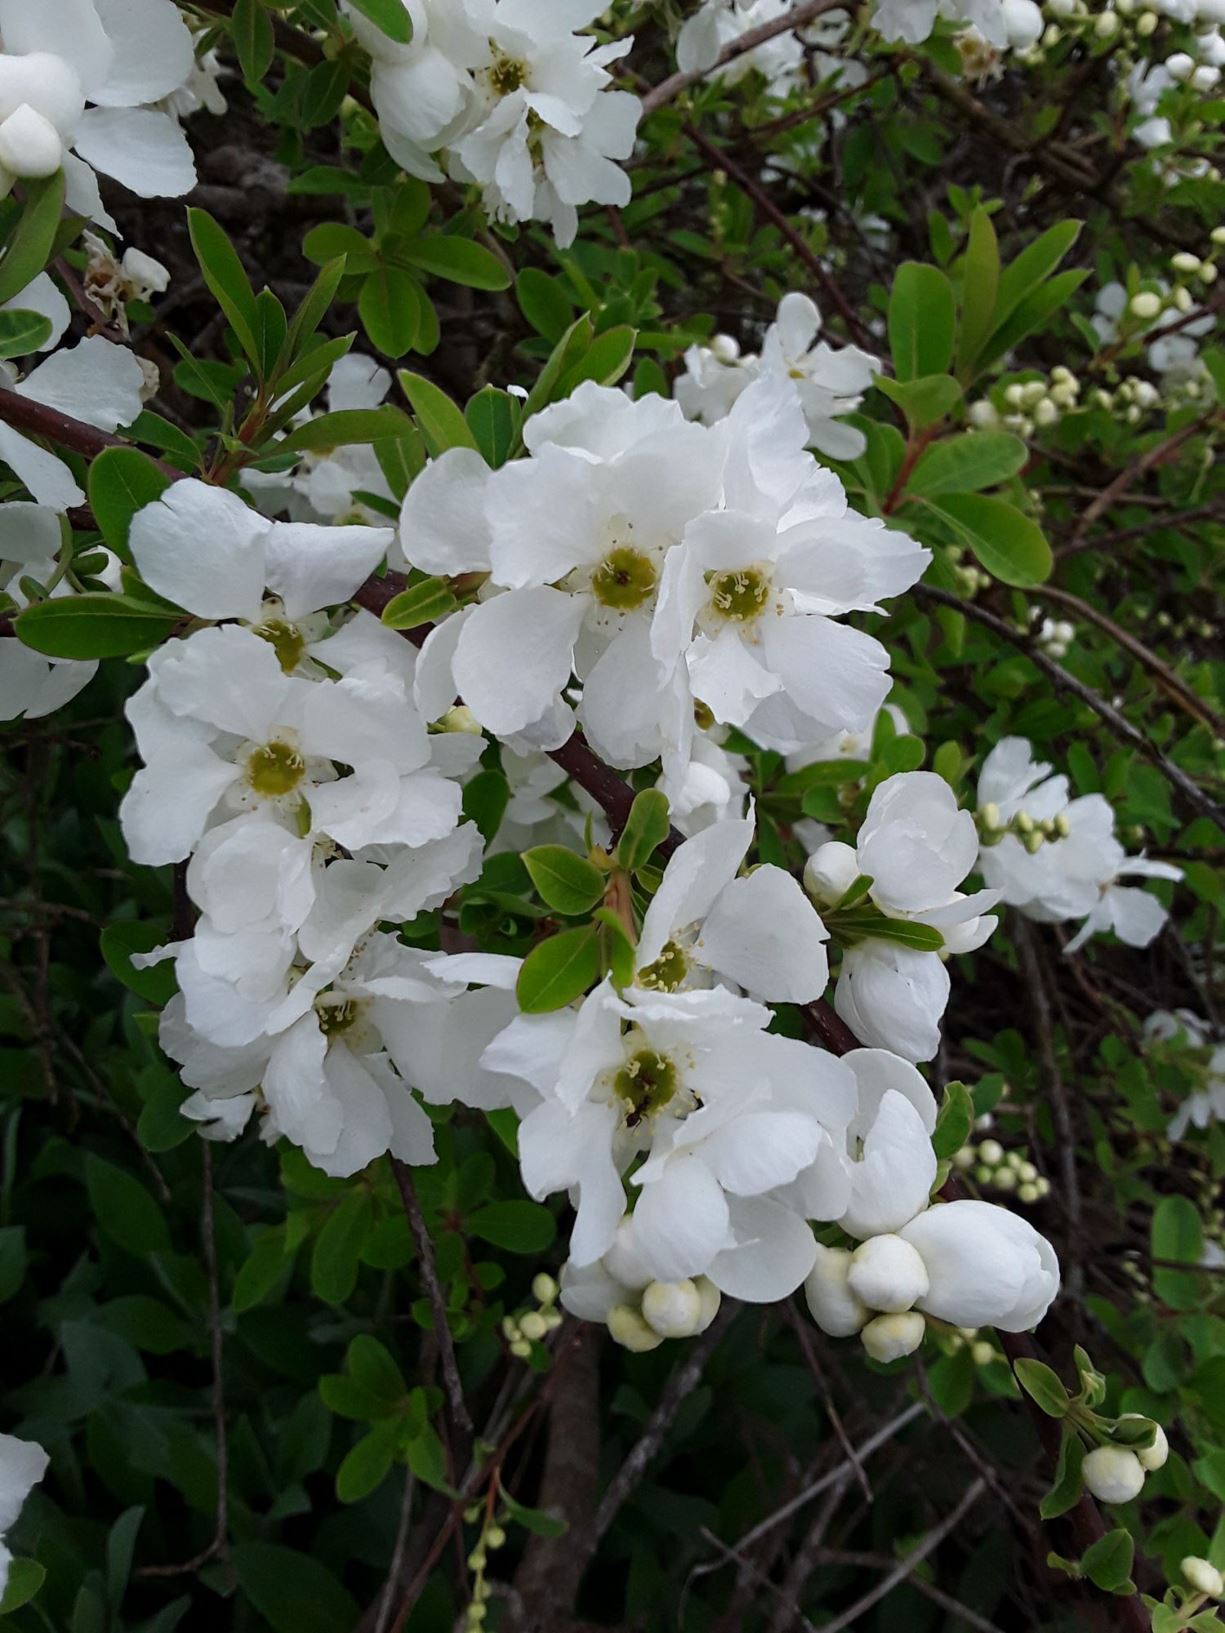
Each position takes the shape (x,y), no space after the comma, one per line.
(608,647)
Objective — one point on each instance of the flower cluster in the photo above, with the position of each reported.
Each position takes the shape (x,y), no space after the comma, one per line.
(120,59)
(1056,858)
(831,383)
(1001,23)
(509,95)
(1193,1036)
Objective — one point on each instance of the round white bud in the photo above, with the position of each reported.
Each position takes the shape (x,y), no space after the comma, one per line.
(725,349)
(887,1274)
(1154,1456)
(544,1288)
(982,1352)
(889,1337)
(1107,25)
(1027,1193)
(1113,1474)
(532,1325)
(672,1308)
(1147,304)
(1208,272)
(623,1261)
(1217,234)
(1180,65)
(1047,412)
(1184,261)
(1210,11)
(833,1307)
(1146,24)
(983,414)
(1014,394)
(30,145)
(1203,1576)
(991,1151)
(1205,77)
(830,872)
(627,1328)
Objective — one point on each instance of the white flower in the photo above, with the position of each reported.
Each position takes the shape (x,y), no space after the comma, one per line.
(889,1337)
(1113,1474)
(886,1273)
(714,378)
(759,932)
(779,60)
(722,1111)
(834,1308)
(222,727)
(830,383)
(893,997)
(22,1466)
(892,1166)
(92,381)
(986,1267)
(120,58)
(913,20)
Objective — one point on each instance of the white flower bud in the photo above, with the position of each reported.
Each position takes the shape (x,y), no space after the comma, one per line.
(830,872)
(887,1274)
(991,1152)
(1180,65)
(1107,25)
(1145,305)
(532,1325)
(834,1308)
(1217,234)
(889,1337)
(1113,1474)
(461,718)
(1047,412)
(623,1261)
(1208,272)
(1154,1456)
(725,348)
(983,414)
(1210,11)
(982,1352)
(1205,77)
(1014,394)
(672,1308)
(1146,24)
(544,1288)
(710,1298)
(1184,261)
(1203,1576)
(627,1328)
(45,82)
(1027,1193)
(1032,392)
(30,145)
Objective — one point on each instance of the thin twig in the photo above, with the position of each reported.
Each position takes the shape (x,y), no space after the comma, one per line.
(460,1416)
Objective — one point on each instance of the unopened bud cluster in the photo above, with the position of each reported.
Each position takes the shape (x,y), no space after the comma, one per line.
(1116,1474)
(871,1291)
(492,1537)
(1032,832)
(989,1164)
(532,1326)
(1035,403)
(664,1309)
(983,1352)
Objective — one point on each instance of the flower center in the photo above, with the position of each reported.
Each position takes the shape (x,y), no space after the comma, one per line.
(507,75)
(668,972)
(625,579)
(285,639)
(739,594)
(337,1015)
(275,769)
(646,1083)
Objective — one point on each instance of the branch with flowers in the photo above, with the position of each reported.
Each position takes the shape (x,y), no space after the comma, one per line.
(566,751)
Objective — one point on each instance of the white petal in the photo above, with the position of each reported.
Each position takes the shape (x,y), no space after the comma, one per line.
(93,381)
(306,1110)
(201,548)
(168,804)
(43,296)
(697,872)
(765,934)
(761,1150)
(837,675)
(48,479)
(891,1182)
(774,1252)
(442,522)
(70,29)
(153,51)
(22,1465)
(144,150)
(313,567)
(514,655)
(81,193)
(681,1220)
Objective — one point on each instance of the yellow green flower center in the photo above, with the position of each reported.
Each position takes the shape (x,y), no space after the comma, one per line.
(275,769)
(286,641)
(507,75)
(668,972)
(646,1083)
(739,594)
(337,1015)
(625,579)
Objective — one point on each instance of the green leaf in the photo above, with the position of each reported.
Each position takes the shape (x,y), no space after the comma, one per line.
(120,1547)
(293,1592)
(33,240)
(261,1270)
(422,603)
(955,1122)
(22,332)
(441,421)
(645,830)
(94,625)
(493,416)
(119,941)
(366,1465)
(326,86)
(617,948)
(486,797)
(966,463)
(605,360)
(519,1227)
(391,307)
(1069,1482)
(1005,542)
(124,1209)
(922,321)
(313,307)
(544,303)
(26,1576)
(458,260)
(1107,1562)
(559,970)
(1033,312)
(334,241)
(536,1520)
(565,353)
(121,482)
(925,401)
(1021,277)
(1042,1384)
(564,881)
(338,1247)
(374,1370)
(254,42)
(344,428)
(1178,1234)
(389,15)
(146,1323)
(224,275)
(979,287)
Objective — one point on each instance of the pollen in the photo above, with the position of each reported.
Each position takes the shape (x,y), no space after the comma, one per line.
(285,639)
(275,769)
(646,1083)
(506,75)
(668,972)
(739,594)
(625,579)
(337,1015)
